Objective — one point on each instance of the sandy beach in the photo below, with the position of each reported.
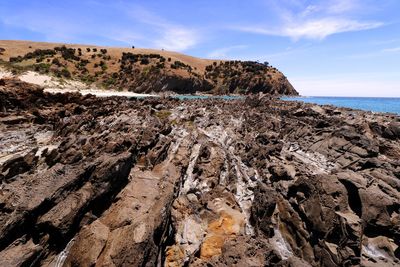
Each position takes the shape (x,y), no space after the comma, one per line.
(97,92)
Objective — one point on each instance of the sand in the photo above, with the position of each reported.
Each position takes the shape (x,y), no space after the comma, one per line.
(54,85)
(97,92)
(47,81)
(4,73)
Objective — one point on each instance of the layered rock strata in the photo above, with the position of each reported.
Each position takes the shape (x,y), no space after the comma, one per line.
(87,181)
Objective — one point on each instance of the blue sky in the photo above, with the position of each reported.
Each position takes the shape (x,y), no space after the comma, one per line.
(331,47)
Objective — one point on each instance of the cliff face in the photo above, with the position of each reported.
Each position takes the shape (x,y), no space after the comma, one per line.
(115,182)
(141,70)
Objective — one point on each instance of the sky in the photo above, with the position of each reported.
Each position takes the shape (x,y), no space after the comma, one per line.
(325,48)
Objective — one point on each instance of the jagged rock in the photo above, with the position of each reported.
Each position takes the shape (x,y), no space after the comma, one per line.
(393,130)
(256,182)
(282,172)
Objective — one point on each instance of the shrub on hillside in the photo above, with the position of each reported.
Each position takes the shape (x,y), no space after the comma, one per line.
(15,59)
(42,68)
(65,73)
(56,62)
(67,53)
(144,61)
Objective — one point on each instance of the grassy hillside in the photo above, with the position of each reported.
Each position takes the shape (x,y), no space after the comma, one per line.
(143,70)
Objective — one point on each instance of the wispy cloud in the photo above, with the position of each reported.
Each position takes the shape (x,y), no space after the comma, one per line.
(317,21)
(315,29)
(342,6)
(222,53)
(391,50)
(135,25)
(177,38)
(170,36)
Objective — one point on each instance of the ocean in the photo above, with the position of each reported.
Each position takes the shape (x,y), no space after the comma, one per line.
(376,104)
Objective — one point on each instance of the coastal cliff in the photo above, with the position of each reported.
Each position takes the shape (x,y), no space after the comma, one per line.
(143,70)
(89,181)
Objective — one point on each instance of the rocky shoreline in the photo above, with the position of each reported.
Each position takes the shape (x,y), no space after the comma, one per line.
(89,181)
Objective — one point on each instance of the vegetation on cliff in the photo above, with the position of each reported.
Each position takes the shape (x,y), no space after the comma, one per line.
(144,71)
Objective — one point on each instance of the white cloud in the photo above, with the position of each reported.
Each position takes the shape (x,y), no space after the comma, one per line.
(321,28)
(315,28)
(316,21)
(146,28)
(176,38)
(222,53)
(341,6)
(170,36)
(392,50)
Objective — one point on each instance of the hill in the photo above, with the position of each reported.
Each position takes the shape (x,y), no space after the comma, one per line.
(143,70)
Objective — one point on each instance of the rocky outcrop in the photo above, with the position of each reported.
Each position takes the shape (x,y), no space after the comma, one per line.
(87,181)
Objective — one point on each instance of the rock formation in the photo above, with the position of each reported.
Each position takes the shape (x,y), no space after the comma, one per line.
(91,181)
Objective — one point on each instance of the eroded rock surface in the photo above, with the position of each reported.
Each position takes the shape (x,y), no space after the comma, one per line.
(162,182)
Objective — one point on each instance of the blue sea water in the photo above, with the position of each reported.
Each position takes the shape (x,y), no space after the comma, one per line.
(376,104)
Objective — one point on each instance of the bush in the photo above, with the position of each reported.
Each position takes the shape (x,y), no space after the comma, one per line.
(39,53)
(88,49)
(65,72)
(67,53)
(16,59)
(163,114)
(95,50)
(209,68)
(144,61)
(103,51)
(56,62)
(178,64)
(42,67)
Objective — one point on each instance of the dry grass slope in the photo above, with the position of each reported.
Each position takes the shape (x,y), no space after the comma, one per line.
(142,70)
